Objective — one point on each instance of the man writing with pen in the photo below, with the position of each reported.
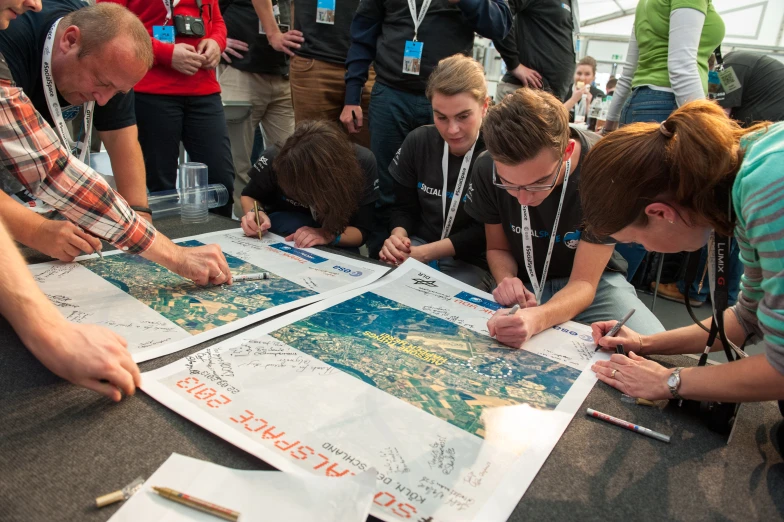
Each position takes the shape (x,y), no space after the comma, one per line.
(525,190)
(30,152)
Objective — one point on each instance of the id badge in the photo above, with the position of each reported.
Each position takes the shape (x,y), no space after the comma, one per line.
(163,33)
(412,57)
(729,80)
(715,90)
(325,12)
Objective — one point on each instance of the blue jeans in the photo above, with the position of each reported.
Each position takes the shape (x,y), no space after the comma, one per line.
(614,298)
(733,282)
(644,105)
(286,223)
(395,114)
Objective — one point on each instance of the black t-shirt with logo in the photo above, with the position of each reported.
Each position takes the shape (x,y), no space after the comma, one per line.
(417,169)
(22,45)
(263,187)
(759,95)
(492,205)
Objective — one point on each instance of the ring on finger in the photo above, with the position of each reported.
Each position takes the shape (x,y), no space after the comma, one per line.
(612,375)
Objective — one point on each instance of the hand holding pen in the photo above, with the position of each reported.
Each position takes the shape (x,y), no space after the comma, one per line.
(613,334)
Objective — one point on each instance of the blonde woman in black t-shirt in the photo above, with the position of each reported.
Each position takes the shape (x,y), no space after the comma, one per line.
(432,173)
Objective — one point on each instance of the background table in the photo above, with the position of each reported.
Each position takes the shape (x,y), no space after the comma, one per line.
(62,446)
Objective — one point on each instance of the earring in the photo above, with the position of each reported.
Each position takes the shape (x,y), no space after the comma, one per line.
(672,222)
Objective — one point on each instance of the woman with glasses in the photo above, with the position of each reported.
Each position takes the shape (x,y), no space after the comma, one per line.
(432,172)
(525,191)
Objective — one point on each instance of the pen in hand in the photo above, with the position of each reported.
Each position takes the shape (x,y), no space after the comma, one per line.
(615,329)
(356,121)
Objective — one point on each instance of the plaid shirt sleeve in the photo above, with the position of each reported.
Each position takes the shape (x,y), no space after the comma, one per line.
(31,151)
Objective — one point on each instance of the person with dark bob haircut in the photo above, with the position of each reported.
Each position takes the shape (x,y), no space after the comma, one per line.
(317,189)
(667,187)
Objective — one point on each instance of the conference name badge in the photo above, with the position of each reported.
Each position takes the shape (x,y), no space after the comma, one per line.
(163,33)
(412,57)
(325,12)
(729,80)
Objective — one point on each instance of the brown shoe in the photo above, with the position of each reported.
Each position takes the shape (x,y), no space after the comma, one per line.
(670,292)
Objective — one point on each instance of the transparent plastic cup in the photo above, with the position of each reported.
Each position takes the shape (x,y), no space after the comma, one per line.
(167,202)
(193,192)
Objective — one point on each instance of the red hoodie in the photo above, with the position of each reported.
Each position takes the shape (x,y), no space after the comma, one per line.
(162,79)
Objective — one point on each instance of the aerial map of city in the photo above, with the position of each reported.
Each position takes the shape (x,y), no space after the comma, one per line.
(195,309)
(442,368)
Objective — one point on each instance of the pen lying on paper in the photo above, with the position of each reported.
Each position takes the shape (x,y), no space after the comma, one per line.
(617,328)
(250,277)
(197,503)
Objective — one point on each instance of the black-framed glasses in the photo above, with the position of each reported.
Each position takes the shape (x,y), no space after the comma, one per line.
(501,183)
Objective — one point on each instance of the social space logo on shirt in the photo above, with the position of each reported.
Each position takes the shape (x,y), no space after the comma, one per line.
(570,239)
(432,191)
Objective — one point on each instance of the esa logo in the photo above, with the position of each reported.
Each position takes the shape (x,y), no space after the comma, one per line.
(352,273)
(475,300)
(583,337)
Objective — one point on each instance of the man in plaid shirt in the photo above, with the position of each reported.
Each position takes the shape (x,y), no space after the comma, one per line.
(87,355)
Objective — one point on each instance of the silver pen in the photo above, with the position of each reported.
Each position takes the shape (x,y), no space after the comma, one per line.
(250,277)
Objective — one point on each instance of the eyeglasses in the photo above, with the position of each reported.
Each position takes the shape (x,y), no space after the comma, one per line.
(501,183)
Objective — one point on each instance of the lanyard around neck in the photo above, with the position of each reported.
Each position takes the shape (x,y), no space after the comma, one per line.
(50,91)
(418,18)
(449,219)
(528,247)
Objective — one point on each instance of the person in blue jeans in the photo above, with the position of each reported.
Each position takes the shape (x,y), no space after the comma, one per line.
(666,67)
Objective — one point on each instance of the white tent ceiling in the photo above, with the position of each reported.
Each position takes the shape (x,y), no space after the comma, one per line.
(750,24)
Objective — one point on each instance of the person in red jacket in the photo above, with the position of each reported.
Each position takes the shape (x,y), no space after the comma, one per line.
(179,98)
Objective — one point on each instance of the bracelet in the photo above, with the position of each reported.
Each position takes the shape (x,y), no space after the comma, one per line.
(639,338)
(144,210)
(336,240)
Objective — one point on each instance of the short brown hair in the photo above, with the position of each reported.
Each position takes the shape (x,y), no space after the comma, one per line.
(523,124)
(590,61)
(611,83)
(101,23)
(639,164)
(318,167)
(455,75)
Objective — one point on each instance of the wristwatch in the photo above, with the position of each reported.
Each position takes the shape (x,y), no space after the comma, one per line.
(674,382)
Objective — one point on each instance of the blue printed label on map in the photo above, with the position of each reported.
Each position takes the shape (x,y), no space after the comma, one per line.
(490,305)
(583,337)
(307,256)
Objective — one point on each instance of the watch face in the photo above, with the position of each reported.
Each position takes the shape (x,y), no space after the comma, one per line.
(672,380)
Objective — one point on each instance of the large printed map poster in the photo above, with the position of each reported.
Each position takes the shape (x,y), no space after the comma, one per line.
(400,376)
(159,312)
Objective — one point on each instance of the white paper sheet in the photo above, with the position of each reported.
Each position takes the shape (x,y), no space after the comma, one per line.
(400,376)
(256,495)
(159,312)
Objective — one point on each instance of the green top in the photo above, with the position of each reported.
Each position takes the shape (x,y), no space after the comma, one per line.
(652,31)
(758,200)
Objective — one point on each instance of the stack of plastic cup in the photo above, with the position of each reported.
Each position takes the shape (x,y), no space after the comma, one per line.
(193,192)
(167,203)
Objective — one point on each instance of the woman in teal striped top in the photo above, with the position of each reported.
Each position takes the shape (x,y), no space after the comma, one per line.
(667,186)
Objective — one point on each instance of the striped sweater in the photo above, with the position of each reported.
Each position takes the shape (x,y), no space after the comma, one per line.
(758,199)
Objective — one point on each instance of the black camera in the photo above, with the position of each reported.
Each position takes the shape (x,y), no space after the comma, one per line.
(189,26)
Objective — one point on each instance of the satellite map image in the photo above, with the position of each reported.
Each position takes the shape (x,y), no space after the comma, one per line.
(195,309)
(444,369)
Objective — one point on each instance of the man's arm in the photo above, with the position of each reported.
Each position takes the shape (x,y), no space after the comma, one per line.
(508,49)
(58,239)
(31,151)
(86,355)
(590,261)
(489,18)
(365,30)
(282,42)
(500,260)
(127,160)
